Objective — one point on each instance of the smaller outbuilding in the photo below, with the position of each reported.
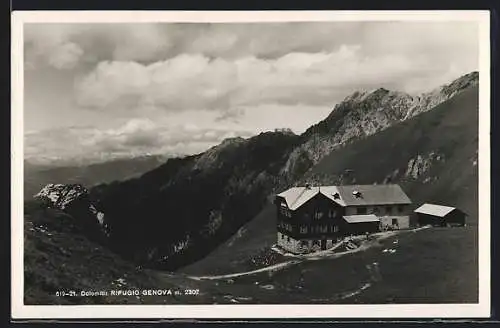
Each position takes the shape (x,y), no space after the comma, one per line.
(360,224)
(440,216)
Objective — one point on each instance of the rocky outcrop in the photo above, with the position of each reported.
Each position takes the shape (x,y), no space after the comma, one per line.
(74,200)
(214,222)
(420,165)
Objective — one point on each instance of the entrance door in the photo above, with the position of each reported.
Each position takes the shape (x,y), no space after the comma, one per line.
(323,244)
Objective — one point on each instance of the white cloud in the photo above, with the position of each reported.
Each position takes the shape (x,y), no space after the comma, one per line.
(190,82)
(51,44)
(157,42)
(65,56)
(181,87)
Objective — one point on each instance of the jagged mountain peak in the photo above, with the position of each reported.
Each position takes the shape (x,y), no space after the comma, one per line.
(463,82)
(433,98)
(373,98)
(364,113)
(378,94)
(232,141)
(210,157)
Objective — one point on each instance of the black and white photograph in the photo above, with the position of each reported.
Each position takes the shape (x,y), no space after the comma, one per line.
(251,164)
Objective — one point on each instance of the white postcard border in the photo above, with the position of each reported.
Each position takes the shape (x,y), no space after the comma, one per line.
(21,311)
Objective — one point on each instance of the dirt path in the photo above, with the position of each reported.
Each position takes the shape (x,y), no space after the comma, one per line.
(327,254)
(274,267)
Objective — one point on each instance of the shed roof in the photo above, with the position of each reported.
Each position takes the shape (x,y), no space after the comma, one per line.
(361,218)
(435,210)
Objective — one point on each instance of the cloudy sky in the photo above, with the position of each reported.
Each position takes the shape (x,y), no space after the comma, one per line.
(102,90)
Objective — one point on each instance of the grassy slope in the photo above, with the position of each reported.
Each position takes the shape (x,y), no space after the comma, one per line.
(58,257)
(424,269)
(442,264)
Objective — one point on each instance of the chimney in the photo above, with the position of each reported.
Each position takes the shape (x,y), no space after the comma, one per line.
(336,195)
(356,194)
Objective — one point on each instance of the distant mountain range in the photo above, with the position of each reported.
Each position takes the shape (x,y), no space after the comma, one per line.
(181,211)
(36,176)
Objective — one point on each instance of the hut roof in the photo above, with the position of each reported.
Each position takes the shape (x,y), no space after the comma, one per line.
(435,210)
(361,218)
(349,195)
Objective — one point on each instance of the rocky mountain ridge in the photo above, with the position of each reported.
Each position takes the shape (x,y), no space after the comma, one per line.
(364,113)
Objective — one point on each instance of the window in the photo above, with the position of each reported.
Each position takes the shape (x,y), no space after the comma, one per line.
(285,212)
(394,222)
(332,214)
(303,229)
(324,229)
(335,228)
(318,215)
(376,210)
(361,210)
(388,209)
(401,208)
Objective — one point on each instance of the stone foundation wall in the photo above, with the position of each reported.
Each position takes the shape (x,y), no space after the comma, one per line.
(302,246)
(288,243)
